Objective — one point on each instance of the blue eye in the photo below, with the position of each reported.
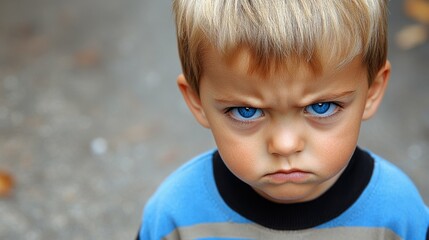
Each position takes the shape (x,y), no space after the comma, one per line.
(245,113)
(323,109)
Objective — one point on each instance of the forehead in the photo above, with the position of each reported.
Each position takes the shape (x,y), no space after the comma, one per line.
(245,62)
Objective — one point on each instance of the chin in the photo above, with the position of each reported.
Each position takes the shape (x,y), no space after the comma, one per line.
(287,198)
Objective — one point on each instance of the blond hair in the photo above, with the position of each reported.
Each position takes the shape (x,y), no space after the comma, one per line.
(319,32)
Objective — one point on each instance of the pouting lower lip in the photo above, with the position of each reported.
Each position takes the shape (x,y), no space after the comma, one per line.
(287,176)
(288,171)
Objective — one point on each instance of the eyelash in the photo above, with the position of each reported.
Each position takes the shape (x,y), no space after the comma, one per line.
(229,111)
(338,107)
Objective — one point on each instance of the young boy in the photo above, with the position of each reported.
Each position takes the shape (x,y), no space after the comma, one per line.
(284,86)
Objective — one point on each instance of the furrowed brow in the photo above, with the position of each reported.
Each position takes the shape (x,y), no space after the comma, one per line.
(334,96)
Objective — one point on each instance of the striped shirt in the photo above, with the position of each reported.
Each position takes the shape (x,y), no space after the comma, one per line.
(372,199)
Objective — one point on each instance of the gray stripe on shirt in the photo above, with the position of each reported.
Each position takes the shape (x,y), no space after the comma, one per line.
(253,231)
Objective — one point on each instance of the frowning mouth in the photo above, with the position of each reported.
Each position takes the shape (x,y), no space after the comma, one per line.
(287,176)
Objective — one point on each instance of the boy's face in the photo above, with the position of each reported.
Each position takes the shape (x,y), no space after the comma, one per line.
(288,136)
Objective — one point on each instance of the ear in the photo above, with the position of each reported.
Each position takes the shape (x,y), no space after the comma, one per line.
(193,100)
(376,91)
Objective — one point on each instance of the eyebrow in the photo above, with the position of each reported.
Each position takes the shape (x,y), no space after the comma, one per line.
(238,102)
(322,98)
(330,97)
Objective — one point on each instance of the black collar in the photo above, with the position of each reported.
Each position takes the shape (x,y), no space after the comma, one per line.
(243,199)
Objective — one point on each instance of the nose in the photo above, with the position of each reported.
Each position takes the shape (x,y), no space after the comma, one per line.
(286,140)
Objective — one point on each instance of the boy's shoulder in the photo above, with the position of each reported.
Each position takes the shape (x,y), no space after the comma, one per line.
(392,179)
(391,194)
(390,201)
(390,187)
(187,177)
(187,197)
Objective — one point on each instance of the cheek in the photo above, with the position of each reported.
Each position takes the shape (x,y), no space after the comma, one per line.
(239,154)
(346,133)
(337,147)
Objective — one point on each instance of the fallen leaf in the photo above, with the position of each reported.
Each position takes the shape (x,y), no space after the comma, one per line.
(6,184)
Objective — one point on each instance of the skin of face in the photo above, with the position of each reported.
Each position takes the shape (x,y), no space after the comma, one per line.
(267,130)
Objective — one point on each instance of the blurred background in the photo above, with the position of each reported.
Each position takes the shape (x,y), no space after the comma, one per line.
(91,120)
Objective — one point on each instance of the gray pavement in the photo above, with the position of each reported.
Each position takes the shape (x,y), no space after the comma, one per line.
(91,120)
